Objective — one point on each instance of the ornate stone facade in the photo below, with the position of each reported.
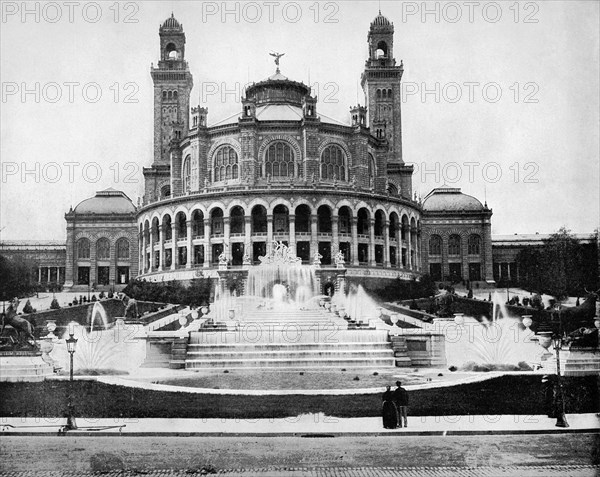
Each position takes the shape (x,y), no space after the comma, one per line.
(101,248)
(457,236)
(280,173)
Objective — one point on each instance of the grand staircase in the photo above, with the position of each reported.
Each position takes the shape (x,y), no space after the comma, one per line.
(288,339)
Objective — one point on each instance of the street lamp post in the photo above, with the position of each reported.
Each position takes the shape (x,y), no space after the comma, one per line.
(561,418)
(71,343)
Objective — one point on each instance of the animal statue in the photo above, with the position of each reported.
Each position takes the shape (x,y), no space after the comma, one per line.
(22,326)
(584,338)
(581,316)
(131,307)
(443,302)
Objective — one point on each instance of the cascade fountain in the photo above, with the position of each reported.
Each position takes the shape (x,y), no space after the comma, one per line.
(501,341)
(279,322)
(357,304)
(102,347)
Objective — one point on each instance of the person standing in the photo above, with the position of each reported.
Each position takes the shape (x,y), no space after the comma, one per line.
(389,411)
(401,399)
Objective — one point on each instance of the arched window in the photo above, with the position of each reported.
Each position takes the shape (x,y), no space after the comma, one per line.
(165,192)
(225,164)
(123,249)
(186,174)
(454,245)
(435,245)
(103,249)
(333,163)
(371,170)
(474,245)
(279,160)
(83,249)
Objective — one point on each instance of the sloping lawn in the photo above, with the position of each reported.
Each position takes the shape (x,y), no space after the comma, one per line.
(504,395)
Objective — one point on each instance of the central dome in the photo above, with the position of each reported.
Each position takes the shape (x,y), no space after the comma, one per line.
(277,89)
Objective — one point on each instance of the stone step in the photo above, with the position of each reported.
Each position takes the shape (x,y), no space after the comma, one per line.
(301,363)
(260,355)
(374,346)
(291,335)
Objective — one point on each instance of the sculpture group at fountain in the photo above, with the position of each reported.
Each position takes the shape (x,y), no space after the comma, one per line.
(16,331)
(280,254)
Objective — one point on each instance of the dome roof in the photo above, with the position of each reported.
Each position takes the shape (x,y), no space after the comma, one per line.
(381,21)
(171,23)
(109,201)
(447,199)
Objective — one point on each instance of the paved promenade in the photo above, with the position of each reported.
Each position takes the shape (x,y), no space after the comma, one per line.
(309,424)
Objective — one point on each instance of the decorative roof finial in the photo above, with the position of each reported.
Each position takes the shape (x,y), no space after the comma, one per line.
(277,56)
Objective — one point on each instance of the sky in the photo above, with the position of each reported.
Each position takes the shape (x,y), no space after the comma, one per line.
(500,99)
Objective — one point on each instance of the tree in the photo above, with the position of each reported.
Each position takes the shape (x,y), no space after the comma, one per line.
(18,277)
(54,305)
(561,267)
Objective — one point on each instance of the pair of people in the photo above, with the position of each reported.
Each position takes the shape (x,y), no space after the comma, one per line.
(395,407)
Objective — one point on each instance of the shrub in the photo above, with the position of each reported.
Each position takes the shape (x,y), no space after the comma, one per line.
(111,294)
(94,298)
(75,302)
(54,305)
(28,308)
(101,296)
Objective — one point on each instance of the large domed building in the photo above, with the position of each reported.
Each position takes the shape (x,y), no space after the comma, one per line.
(457,232)
(280,173)
(101,241)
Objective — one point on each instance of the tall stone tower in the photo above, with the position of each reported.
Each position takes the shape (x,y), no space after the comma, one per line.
(172,87)
(381,83)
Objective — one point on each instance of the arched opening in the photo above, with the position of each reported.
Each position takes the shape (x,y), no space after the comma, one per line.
(405,228)
(324,220)
(382,50)
(344,220)
(281,220)
(303,219)
(333,163)
(259,220)
(474,246)
(237,220)
(186,174)
(181,224)
(394,221)
(279,160)
(225,164)
(371,168)
(379,223)
(165,192)
(171,50)
(435,245)
(198,224)
(167,229)
(454,245)
(216,222)
(362,224)
(83,249)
